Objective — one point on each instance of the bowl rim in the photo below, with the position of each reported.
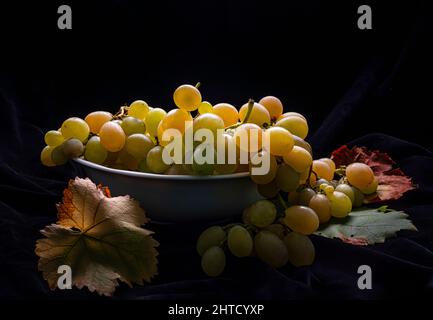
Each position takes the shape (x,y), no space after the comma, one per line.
(157,176)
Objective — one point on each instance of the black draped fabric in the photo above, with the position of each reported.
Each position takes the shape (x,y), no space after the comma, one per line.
(365,90)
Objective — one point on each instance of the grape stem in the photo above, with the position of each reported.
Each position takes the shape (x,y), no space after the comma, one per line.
(123,111)
(198,84)
(247,116)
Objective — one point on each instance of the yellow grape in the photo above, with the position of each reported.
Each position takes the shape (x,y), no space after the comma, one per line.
(359,175)
(46,156)
(227,112)
(300,249)
(296,125)
(303,144)
(340,204)
(205,107)
(301,219)
(138,109)
(273,105)
(153,118)
(347,190)
(208,121)
(53,138)
(323,170)
(291,114)
(96,119)
(371,188)
(138,145)
(213,261)
(259,115)
(226,167)
(75,128)
(330,163)
(154,160)
(112,136)
(187,97)
(280,141)
(252,134)
(273,166)
(175,119)
(299,159)
(304,176)
(321,206)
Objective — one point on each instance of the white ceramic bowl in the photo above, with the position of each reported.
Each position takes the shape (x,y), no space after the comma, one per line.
(176,198)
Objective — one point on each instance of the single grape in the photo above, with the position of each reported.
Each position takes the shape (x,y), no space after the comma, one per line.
(359,175)
(248,137)
(212,236)
(153,118)
(94,151)
(329,162)
(278,229)
(131,125)
(300,249)
(295,125)
(142,166)
(112,136)
(269,190)
(203,164)
(340,204)
(75,128)
(239,242)
(187,97)
(213,261)
(301,219)
(280,141)
(205,107)
(273,105)
(305,196)
(73,148)
(259,115)
(298,158)
(322,181)
(58,155)
(53,138)
(291,114)
(138,145)
(154,160)
(270,249)
(208,121)
(175,119)
(359,197)
(227,112)
(287,178)
(347,190)
(328,189)
(138,109)
(261,213)
(46,156)
(371,188)
(303,144)
(321,206)
(96,119)
(323,170)
(255,163)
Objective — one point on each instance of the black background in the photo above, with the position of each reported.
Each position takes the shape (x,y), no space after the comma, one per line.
(311,54)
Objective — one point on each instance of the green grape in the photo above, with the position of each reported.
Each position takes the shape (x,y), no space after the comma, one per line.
(94,151)
(227,112)
(138,109)
(280,141)
(259,115)
(138,145)
(359,175)
(202,166)
(273,105)
(340,204)
(205,107)
(270,249)
(75,128)
(112,136)
(142,166)
(212,236)
(153,118)
(303,144)
(359,197)
(53,138)
(213,261)
(269,190)
(239,241)
(154,160)
(262,213)
(347,190)
(58,155)
(321,206)
(96,119)
(131,125)
(277,229)
(287,178)
(322,181)
(46,156)
(300,249)
(256,163)
(299,159)
(301,219)
(371,188)
(187,97)
(296,125)
(305,196)
(73,148)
